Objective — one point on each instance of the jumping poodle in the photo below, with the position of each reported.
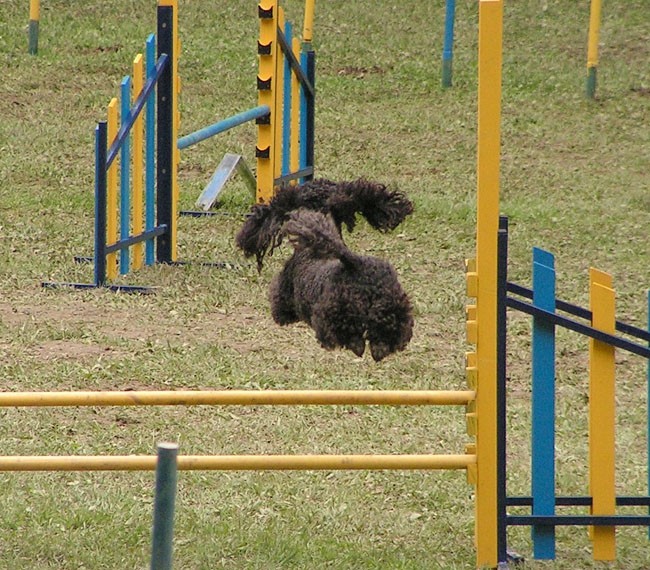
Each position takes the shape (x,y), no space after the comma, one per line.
(348,299)
(384,210)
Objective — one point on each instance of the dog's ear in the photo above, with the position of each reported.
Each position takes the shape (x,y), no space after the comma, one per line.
(260,234)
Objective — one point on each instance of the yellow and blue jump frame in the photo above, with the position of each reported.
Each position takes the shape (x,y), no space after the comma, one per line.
(137,149)
(488,284)
(286,85)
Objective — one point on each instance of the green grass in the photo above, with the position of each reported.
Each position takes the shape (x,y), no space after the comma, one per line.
(574,180)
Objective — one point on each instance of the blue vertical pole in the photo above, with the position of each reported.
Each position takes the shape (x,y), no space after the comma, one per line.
(303,117)
(286,104)
(164,506)
(150,149)
(648,412)
(448,46)
(101,143)
(502,401)
(543,404)
(311,111)
(125,175)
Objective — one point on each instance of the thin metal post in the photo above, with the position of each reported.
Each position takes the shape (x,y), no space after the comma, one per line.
(165,139)
(34,16)
(448,47)
(164,504)
(101,144)
(502,291)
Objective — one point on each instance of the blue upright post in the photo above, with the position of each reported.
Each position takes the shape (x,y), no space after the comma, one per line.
(304,110)
(150,150)
(543,404)
(648,412)
(286,104)
(164,505)
(101,151)
(448,47)
(125,175)
(310,70)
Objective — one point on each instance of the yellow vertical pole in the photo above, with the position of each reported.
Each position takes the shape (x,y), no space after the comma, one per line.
(602,460)
(592,48)
(138,164)
(294,158)
(266,83)
(111,192)
(488,163)
(308,25)
(278,102)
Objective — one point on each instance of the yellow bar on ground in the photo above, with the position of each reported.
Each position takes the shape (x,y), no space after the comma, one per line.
(594,32)
(308,25)
(111,191)
(602,419)
(239,397)
(34,10)
(278,103)
(238,462)
(266,95)
(137,155)
(488,163)
(294,158)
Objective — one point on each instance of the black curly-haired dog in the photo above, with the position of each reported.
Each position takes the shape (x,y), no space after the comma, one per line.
(348,299)
(384,210)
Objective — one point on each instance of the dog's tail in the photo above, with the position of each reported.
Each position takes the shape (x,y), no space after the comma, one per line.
(384,209)
(316,232)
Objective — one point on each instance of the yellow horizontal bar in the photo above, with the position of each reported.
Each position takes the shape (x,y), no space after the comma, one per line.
(239,397)
(238,462)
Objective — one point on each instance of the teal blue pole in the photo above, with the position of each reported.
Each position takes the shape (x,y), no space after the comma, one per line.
(164,503)
(448,47)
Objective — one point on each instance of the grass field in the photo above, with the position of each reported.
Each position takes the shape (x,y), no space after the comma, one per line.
(575,181)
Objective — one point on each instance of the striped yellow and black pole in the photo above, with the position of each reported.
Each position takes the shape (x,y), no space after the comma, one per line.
(592,49)
(266,82)
(34,15)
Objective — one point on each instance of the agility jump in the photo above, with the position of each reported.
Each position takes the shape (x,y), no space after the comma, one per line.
(140,149)
(487,367)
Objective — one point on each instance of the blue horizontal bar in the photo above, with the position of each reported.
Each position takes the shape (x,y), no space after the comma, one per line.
(308,171)
(222,126)
(137,109)
(132,240)
(139,289)
(578,520)
(578,311)
(580,501)
(580,328)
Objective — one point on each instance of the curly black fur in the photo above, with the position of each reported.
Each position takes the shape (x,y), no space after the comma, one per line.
(384,210)
(346,298)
